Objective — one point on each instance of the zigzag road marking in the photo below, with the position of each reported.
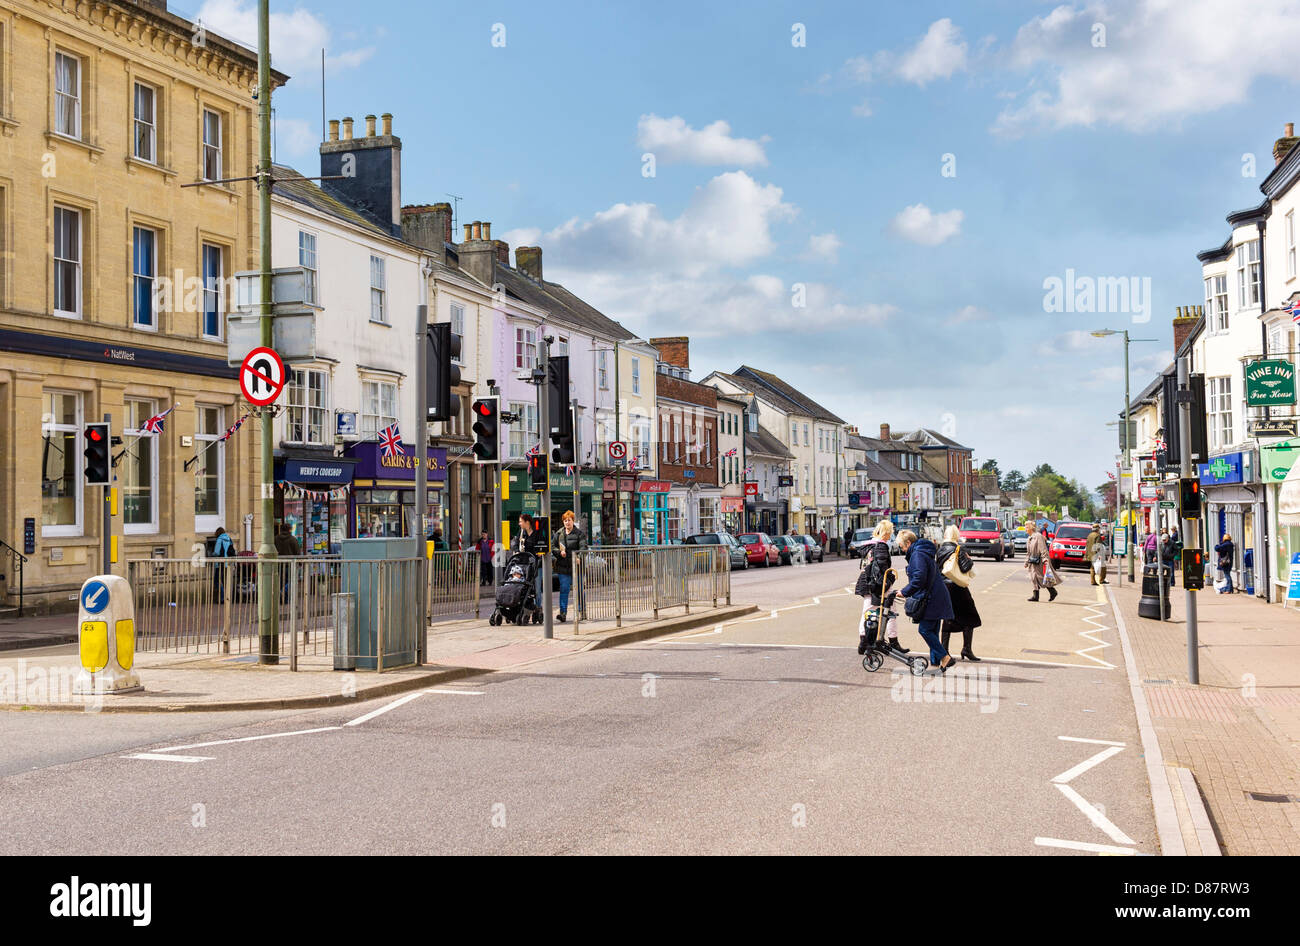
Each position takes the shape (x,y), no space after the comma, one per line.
(1096,618)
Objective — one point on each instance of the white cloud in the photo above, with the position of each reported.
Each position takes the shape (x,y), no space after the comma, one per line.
(296,38)
(862,109)
(967,313)
(939,54)
(824,246)
(675,142)
(728,222)
(920,224)
(1162,61)
(295,138)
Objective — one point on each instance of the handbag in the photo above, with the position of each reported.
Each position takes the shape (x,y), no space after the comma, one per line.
(914,606)
(953,571)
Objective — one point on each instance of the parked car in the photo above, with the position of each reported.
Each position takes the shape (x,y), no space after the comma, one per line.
(1067,546)
(1020,539)
(982,536)
(1009,544)
(894,547)
(788,548)
(859,542)
(812,549)
(759,548)
(736,551)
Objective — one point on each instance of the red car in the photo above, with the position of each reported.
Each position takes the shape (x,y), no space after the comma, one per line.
(759,548)
(1068,544)
(982,535)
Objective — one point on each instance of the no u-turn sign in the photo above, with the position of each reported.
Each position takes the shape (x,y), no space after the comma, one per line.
(261,376)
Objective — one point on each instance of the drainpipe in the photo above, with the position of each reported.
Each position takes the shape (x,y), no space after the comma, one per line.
(1262,567)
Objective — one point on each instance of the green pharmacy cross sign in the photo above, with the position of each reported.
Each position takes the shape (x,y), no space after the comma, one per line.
(1220,468)
(1270,382)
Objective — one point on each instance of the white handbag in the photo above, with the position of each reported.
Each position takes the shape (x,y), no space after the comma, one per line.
(952,571)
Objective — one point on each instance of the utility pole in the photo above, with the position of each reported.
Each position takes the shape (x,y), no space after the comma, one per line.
(577,461)
(267,594)
(1131,536)
(496,491)
(544,433)
(1185,469)
(618,474)
(421,471)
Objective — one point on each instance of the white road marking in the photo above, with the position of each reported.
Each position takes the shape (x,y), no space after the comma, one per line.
(225,742)
(1095,742)
(1100,626)
(158,757)
(1070,774)
(1036,663)
(384,709)
(1095,816)
(1084,846)
(449,692)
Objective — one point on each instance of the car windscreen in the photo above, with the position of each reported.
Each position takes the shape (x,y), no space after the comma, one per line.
(862,535)
(749,538)
(707,538)
(979,525)
(1073,532)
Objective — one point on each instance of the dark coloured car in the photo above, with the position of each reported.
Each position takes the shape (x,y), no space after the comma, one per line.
(789,548)
(859,542)
(812,548)
(1009,544)
(736,551)
(759,548)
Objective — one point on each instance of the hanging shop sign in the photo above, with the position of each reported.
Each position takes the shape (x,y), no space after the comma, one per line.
(1225,469)
(1276,461)
(1275,427)
(1270,382)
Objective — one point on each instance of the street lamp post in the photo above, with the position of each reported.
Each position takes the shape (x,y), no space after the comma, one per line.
(1128,502)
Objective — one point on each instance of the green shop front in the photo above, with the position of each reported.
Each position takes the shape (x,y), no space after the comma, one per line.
(523,499)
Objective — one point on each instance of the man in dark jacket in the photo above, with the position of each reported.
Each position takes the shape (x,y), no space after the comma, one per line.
(1227,559)
(848,539)
(923,577)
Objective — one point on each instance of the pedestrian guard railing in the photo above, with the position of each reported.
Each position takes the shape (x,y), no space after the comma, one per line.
(615,582)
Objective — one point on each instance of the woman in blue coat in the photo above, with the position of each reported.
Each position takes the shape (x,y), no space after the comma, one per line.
(924,577)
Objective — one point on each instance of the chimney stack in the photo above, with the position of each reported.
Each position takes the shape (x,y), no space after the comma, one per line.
(1184,322)
(674,350)
(1282,147)
(528,260)
(478,254)
(428,226)
(503,251)
(884,432)
(373,183)
(334,129)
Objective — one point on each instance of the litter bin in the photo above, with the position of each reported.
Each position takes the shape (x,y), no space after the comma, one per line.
(345,632)
(1248,570)
(1149,606)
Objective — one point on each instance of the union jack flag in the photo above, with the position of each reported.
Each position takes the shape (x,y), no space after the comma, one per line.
(568,470)
(230,431)
(534,449)
(390,441)
(154,425)
(1110,475)
(730,453)
(1293,309)
(631,463)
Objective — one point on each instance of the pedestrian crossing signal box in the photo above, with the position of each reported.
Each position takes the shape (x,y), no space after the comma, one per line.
(1189,498)
(537,471)
(1194,569)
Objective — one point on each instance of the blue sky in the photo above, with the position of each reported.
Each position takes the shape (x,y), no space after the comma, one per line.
(823,165)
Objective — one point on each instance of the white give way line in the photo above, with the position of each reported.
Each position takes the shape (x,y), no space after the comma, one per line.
(160,755)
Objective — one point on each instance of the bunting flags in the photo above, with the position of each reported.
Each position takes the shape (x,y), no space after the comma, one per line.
(1292,309)
(294,491)
(731,453)
(230,432)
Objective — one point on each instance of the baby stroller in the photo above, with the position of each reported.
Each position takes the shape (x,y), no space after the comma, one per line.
(517,596)
(878,644)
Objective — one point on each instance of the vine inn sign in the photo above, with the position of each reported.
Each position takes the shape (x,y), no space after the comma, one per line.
(1270,383)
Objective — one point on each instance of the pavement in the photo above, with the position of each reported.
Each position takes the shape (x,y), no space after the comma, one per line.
(1237,734)
(41,680)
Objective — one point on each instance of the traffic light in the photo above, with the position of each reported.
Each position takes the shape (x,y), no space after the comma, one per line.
(443,349)
(1189,498)
(564,450)
(487,440)
(537,472)
(1193,569)
(98,467)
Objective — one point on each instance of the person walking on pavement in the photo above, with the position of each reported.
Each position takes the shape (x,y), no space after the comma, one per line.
(821,540)
(484,546)
(1150,547)
(223,546)
(286,546)
(1091,551)
(534,543)
(568,540)
(1039,563)
(958,570)
(848,540)
(1168,555)
(873,588)
(1227,553)
(924,579)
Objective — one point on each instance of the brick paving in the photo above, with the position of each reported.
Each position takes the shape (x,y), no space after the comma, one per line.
(1239,730)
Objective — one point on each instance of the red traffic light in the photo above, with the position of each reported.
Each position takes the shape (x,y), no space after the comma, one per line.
(482,408)
(94,434)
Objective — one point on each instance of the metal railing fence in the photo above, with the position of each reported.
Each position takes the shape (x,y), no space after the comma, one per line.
(611,583)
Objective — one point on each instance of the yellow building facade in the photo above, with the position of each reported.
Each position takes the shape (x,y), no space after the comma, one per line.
(115,283)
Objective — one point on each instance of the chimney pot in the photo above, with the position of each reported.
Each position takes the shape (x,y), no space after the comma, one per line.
(468,228)
(370,126)
(1290,129)
(387,119)
(334,129)
(487,230)
(478,229)
(347,129)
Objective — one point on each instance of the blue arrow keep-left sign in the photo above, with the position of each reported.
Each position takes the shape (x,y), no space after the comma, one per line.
(94,597)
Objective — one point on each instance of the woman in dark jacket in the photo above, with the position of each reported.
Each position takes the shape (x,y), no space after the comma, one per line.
(966,616)
(923,577)
(1227,553)
(876,562)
